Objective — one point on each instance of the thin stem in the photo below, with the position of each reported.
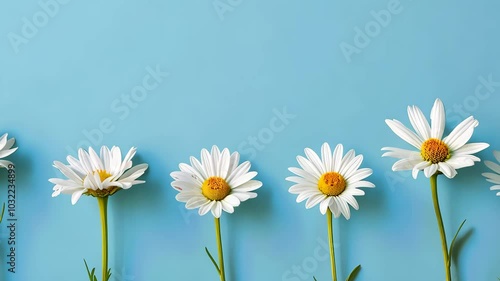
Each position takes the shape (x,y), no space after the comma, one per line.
(444,244)
(219,247)
(330,239)
(103,208)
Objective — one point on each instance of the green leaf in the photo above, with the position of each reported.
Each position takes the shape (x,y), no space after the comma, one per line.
(109,274)
(3,211)
(453,241)
(91,274)
(354,273)
(213,260)
(315,278)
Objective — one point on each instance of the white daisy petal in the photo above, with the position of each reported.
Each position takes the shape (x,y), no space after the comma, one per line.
(438,120)
(493,166)
(314,200)
(225,160)
(359,175)
(194,174)
(326,157)
(351,200)
(233,200)
(496,153)
(400,153)
(76,196)
(470,148)
(197,166)
(227,207)
(206,162)
(204,209)
(418,167)
(308,166)
(430,170)
(239,171)
(248,186)
(305,175)
(360,184)
(447,170)
(495,178)
(399,129)
(299,188)
(323,206)
(314,159)
(233,163)
(419,123)
(306,194)
(461,134)
(195,202)
(405,164)
(337,157)
(235,182)
(217,209)
(351,166)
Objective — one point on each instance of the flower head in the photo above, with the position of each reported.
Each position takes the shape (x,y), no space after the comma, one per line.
(495,176)
(98,176)
(331,181)
(216,183)
(434,153)
(6,150)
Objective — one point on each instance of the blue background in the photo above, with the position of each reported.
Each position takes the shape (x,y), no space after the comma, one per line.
(69,83)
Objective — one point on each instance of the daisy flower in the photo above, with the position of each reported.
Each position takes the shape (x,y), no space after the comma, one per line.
(6,150)
(434,153)
(332,181)
(217,183)
(494,177)
(98,176)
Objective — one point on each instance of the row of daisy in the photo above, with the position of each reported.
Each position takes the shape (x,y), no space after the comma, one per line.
(218,182)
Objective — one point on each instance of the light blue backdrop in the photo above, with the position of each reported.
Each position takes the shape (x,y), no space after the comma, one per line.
(74,73)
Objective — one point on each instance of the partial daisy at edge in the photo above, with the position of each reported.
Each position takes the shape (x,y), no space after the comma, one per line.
(494,176)
(331,181)
(6,149)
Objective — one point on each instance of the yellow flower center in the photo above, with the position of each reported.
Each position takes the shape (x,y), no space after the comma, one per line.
(103,175)
(332,184)
(215,188)
(435,151)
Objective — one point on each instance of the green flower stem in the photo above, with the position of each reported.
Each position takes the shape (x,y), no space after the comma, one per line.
(444,244)
(219,247)
(103,208)
(330,239)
